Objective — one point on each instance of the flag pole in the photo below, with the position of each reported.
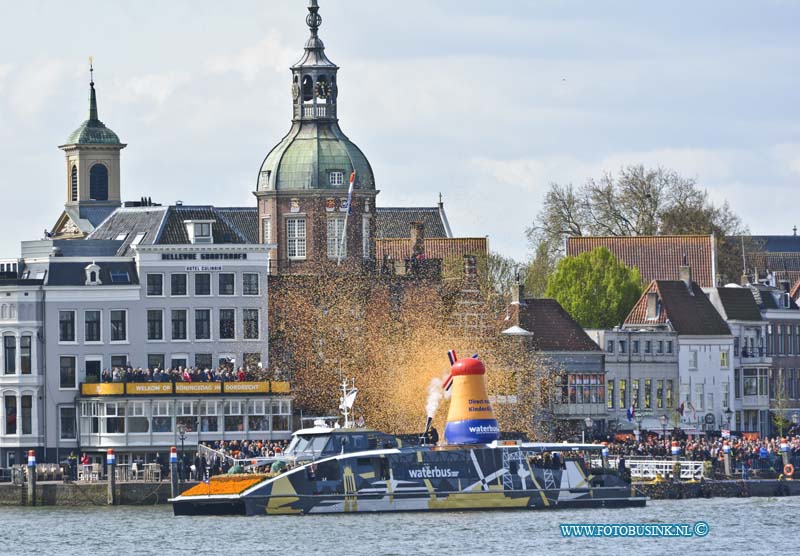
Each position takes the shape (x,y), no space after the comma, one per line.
(346,215)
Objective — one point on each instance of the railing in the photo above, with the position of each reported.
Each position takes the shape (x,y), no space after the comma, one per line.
(183,388)
(753,353)
(319,111)
(647,469)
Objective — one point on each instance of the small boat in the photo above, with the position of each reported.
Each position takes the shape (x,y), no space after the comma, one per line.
(354,469)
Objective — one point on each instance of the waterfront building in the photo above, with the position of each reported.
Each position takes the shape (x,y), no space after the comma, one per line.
(547,329)
(704,344)
(752,364)
(641,373)
(782,343)
(21,366)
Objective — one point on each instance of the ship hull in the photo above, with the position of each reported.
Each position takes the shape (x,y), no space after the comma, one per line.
(478,478)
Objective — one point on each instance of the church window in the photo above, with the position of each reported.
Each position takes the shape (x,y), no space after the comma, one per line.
(336,177)
(74,193)
(98,183)
(296,238)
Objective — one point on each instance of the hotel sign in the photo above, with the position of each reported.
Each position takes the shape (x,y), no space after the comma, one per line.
(203,256)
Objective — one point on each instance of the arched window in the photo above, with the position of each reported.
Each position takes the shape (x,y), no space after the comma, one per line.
(74,194)
(98,183)
(322,87)
(308,88)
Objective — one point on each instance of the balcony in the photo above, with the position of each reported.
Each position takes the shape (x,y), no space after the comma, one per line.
(182,388)
(755,355)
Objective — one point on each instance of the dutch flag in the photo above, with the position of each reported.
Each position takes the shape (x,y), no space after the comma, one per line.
(350,192)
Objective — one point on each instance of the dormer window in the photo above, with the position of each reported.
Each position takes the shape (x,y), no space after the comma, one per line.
(200,231)
(93,275)
(336,177)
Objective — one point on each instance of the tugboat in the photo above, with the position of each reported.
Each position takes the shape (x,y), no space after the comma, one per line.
(354,469)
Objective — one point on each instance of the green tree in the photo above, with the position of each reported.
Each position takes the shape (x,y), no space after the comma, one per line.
(595,288)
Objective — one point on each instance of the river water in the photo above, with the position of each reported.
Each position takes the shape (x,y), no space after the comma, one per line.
(751,526)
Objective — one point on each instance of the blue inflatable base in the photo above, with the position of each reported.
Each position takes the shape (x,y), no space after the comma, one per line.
(471,431)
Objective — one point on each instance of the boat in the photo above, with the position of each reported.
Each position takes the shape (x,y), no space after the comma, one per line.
(353,469)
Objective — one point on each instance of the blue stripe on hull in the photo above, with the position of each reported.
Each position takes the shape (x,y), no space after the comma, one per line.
(471,431)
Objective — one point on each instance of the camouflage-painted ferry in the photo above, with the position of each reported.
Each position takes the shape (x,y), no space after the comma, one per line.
(348,470)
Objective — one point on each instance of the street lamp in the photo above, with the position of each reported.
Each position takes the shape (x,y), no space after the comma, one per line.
(728,414)
(663,420)
(588,422)
(639,418)
(182,435)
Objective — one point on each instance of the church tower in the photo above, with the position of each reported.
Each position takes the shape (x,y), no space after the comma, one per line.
(92,174)
(302,185)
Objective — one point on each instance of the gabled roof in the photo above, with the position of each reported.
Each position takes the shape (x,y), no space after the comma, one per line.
(551,328)
(395,222)
(165,225)
(435,248)
(736,303)
(656,257)
(74,274)
(128,223)
(231,225)
(777,244)
(688,313)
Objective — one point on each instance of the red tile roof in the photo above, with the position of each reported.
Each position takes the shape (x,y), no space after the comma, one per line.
(656,257)
(689,313)
(435,248)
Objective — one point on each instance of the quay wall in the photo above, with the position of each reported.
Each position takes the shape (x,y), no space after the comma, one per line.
(89,494)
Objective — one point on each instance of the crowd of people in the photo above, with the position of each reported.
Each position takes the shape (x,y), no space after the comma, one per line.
(247,449)
(225,373)
(763,453)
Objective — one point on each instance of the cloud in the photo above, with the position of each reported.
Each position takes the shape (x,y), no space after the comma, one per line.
(5,69)
(153,88)
(269,53)
(34,84)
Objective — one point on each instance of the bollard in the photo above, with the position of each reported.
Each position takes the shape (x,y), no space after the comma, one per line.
(784,452)
(111,461)
(604,454)
(31,477)
(173,470)
(726,453)
(676,451)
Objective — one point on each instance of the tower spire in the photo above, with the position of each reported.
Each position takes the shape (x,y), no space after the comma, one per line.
(313,19)
(92,95)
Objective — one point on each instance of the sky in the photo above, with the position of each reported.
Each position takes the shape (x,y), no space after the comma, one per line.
(486,102)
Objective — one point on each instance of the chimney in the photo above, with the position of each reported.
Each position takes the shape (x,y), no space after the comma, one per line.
(652,305)
(685,275)
(517,293)
(417,239)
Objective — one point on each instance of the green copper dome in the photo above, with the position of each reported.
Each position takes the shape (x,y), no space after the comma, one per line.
(93,131)
(309,154)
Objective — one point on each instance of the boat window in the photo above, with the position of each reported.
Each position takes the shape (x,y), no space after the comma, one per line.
(328,471)
(357,443)
(317,444)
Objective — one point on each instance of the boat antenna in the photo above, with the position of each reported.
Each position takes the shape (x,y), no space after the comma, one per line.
(347,400)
